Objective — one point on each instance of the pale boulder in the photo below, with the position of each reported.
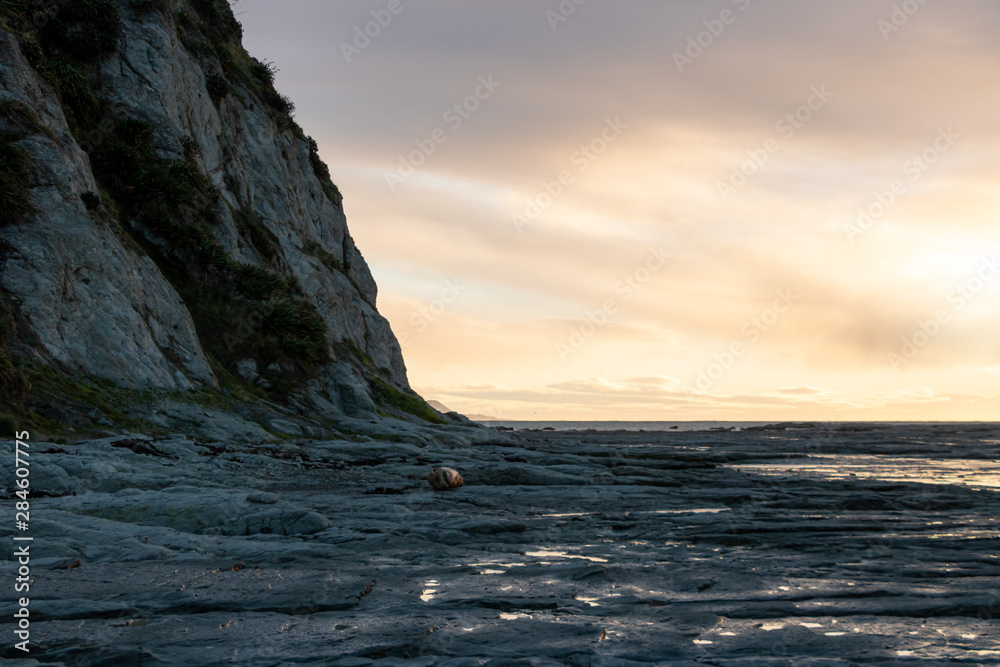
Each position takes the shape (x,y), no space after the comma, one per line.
(444,478)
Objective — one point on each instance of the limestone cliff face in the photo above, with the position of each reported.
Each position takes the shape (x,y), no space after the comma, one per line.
(178,224)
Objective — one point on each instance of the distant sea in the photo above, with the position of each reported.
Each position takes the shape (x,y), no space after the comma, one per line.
(666,425)
(959,453)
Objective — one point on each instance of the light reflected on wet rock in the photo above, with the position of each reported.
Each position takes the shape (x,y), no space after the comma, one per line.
(549,553)
(429,591)
(720,539)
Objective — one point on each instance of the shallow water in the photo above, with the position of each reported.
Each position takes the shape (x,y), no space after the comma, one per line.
(974,473)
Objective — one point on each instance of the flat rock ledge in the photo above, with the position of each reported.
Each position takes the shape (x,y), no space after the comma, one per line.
(562,548)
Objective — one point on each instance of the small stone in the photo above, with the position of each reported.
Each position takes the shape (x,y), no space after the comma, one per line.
(285,427)
(444,478)
(247,369)
(262,497)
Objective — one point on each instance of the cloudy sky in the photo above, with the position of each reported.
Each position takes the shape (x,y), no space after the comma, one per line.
(653,209)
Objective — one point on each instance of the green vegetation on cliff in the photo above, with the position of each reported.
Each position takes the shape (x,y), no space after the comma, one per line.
(166,208)
(170,207)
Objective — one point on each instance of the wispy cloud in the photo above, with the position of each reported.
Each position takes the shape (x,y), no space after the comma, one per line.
(657,185)
(666,398)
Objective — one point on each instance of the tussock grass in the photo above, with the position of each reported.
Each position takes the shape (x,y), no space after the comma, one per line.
(83,30)
(15,179)
(19,115)
(387,395)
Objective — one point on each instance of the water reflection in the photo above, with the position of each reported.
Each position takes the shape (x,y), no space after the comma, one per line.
(546,553)
(975,473)
(429,590)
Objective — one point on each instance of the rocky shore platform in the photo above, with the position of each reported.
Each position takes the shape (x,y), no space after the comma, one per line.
(788,545)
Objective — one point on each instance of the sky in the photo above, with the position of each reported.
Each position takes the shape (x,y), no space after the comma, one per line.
(665,210)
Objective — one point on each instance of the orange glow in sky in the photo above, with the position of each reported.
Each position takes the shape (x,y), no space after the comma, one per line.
(662,210)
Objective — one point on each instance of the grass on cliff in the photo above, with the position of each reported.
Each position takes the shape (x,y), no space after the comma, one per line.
(15,180)
(82,404)
(71,37)
(168,208)
(13,381)
(322,172)
(240,310)
(83,29)
(19,115)
(74,90)
(8,425)
(262,239)
(389,396)
(214,36)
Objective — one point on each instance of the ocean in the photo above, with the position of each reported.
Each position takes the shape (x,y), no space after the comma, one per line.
(714,425)
(623,425)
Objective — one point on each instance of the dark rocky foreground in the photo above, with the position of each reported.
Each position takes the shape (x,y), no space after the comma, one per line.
(563,548)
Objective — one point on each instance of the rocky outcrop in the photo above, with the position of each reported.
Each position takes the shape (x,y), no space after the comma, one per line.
(175,551)
(94,304)
(180,226)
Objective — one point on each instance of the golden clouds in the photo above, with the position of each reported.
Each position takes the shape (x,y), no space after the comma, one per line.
(835,210)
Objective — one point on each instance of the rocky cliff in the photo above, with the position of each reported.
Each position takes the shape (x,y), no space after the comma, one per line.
(166,226)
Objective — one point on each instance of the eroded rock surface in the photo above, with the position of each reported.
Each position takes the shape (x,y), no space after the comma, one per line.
(805,546)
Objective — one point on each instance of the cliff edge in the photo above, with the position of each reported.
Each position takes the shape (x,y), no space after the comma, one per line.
(167,229)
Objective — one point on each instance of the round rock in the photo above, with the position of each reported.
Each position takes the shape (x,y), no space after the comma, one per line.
(444,478)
